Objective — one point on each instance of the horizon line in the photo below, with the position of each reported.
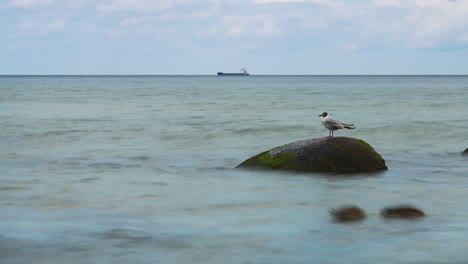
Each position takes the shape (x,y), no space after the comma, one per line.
(207,75)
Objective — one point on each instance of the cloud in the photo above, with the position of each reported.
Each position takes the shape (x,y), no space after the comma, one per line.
(208,32)
(290,1)
(268,28)
(149,6)
(395,3)
(235,31)
(355,25)
(132,21)
(47,3)
(260,26)
(29,3)
(115,32)
(57,24)
(423,24)
(394,24)
(38,26)
(135,5)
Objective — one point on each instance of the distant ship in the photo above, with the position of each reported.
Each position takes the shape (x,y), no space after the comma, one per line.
(243,72)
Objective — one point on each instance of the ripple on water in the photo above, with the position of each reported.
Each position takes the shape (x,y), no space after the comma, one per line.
(89,179)
(106,165)
(11,188)
(127,237)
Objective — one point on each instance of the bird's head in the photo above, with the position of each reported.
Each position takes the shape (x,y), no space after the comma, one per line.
(324,114)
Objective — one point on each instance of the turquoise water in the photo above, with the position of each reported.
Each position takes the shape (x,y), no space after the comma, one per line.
(139,169)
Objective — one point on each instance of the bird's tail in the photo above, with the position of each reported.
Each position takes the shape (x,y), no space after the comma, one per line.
(348,126)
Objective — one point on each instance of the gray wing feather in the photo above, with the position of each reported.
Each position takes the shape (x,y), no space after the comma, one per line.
(332,124)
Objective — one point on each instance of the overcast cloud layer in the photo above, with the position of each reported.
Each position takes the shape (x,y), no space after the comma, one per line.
(205,36)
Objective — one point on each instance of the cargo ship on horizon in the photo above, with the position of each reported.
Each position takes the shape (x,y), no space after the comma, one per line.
(243,72)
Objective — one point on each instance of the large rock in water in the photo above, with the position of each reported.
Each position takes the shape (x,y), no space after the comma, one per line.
(329,154)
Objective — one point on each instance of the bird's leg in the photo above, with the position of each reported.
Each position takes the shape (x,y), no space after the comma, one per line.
(329,133)
(332,133)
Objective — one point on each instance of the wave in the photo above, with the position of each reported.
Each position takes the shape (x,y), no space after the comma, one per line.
(64,132)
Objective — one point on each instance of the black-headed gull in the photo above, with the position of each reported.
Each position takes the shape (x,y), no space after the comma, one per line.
(332,124)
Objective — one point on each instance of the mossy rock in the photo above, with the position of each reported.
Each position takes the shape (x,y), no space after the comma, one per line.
(329,154)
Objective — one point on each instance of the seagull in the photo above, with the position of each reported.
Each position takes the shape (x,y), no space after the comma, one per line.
(332,124)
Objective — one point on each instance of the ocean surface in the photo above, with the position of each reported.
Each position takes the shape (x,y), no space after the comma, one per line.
(140,169)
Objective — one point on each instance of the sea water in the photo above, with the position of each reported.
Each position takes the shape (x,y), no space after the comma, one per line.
(140,169)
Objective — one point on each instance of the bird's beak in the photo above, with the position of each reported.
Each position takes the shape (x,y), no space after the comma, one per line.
(320,115)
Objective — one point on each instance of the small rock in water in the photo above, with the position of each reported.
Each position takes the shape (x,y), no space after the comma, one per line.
(402,212)
(348,214)
(465,152)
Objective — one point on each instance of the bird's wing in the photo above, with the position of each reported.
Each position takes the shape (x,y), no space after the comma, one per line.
(332,123)
(346,124)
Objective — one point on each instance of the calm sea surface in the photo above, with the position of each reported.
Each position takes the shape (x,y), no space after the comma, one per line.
(139,169)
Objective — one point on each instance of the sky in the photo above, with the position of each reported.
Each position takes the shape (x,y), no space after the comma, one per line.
(206,36)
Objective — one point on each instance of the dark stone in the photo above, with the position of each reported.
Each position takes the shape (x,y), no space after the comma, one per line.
(465,152)
(329,154)
(348,214)
(402,212)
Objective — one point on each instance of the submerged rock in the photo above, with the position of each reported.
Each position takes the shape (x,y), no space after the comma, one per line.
(348,214)
(329,154)
(402,212)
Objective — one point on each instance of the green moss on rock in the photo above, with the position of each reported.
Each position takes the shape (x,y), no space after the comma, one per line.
(276,161)
(365,143)
(266,160)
